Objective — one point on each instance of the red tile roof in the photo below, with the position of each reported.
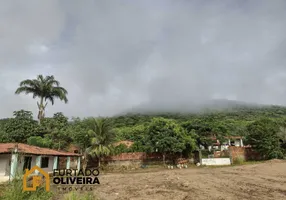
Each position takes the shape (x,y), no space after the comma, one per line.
(28,149)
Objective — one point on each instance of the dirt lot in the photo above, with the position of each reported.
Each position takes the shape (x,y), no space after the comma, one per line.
(257,181)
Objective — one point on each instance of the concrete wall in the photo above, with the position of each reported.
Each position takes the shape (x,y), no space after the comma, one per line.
(216,161)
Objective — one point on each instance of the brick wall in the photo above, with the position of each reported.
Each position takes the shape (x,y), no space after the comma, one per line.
(63,162)
(139,156)
(245,153)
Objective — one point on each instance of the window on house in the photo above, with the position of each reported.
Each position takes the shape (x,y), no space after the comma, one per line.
(27,163)
(45,162)
(75,151)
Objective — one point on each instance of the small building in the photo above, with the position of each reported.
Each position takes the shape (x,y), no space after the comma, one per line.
(17,157)
(236,141)
(229,141)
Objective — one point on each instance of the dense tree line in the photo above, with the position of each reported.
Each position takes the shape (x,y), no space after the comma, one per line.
(264,127)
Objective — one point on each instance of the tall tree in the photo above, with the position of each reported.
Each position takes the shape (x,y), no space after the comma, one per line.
(102,137)
(166,136)
(46,89)
(57,130)
(21,127)
(263,136)
(79,132)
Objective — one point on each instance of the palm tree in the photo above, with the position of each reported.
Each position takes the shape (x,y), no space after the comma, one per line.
(46,89)
(102,138)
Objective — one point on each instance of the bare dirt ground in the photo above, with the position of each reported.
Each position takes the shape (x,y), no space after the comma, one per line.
(261,181)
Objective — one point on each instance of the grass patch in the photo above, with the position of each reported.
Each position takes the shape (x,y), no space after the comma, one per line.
(77,196)
(14,191)
(239,161)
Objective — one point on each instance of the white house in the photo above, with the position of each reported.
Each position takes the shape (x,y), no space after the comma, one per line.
(16,157)
(230,141)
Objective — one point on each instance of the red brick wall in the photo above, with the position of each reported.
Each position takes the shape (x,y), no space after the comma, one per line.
(246,153)
(138,156)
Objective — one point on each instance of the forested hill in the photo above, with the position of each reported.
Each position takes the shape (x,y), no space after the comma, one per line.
(237,113)
(57,132)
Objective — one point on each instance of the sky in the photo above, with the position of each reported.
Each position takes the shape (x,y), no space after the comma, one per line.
(112,56)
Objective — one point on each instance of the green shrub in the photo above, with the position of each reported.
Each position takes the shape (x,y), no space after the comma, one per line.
(14,191)
(76,196)
(122,148)
(239,160)
(205,153)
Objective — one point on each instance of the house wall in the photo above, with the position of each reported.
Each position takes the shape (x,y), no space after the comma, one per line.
(33,163)
(51,163)
(47,169)
(237,143)
(4,164)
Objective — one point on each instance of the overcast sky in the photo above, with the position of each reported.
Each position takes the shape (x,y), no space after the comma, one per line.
(112,55)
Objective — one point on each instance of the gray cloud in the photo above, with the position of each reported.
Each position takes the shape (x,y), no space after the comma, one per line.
(114,55)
